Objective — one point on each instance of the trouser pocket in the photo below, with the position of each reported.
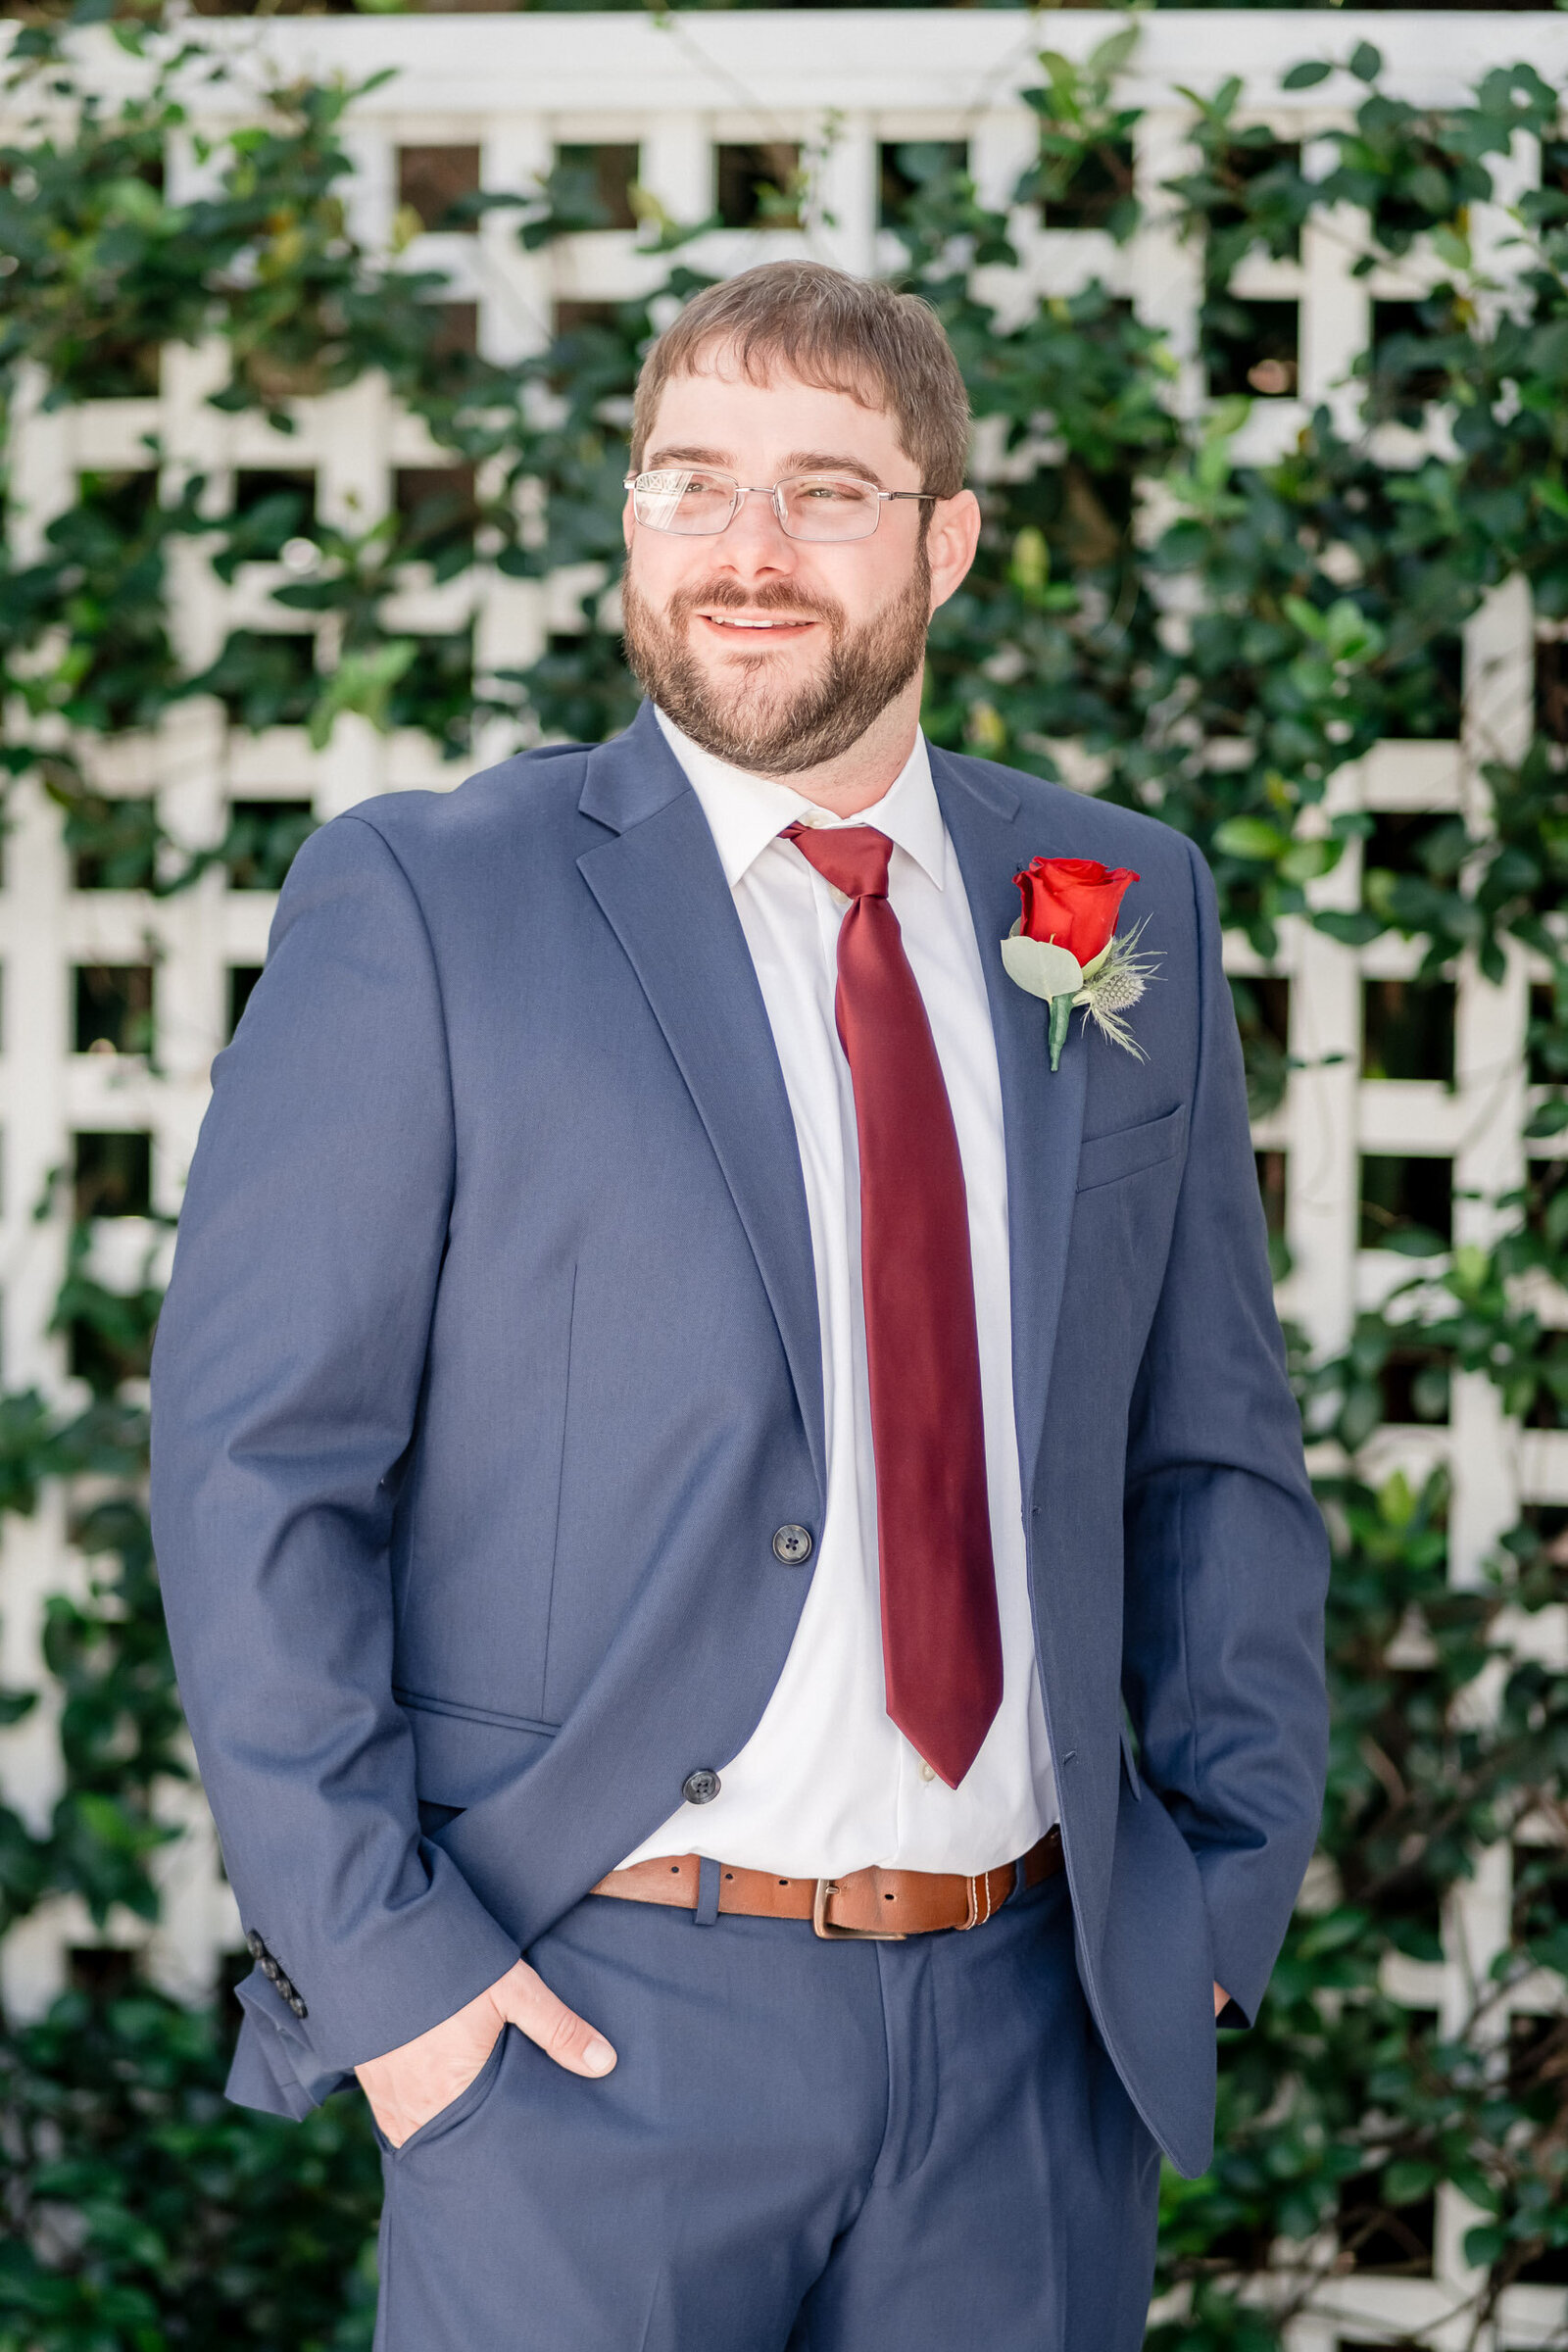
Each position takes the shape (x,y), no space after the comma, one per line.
(456,2111)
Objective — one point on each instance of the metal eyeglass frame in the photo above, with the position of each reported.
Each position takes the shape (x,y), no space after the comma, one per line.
(774,493)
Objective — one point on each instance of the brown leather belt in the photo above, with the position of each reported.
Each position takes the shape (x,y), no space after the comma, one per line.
(882,1907)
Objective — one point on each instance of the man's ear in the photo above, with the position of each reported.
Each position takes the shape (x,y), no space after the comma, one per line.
(951,543)
(628,522)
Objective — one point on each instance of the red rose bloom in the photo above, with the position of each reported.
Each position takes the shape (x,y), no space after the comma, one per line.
(1073,901)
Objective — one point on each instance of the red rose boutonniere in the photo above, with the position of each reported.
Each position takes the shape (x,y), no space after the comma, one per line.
(1066,946)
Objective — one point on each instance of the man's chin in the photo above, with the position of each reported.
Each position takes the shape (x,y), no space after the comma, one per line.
(758,697)
(762,740)
(794,666)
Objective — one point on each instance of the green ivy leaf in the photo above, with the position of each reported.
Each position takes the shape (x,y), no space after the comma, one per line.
(1251,837)
(362,682)
(1307,861)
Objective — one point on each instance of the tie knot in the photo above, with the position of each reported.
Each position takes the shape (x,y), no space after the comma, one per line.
(853,857)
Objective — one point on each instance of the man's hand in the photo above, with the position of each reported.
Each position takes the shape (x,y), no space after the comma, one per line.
(410,2084)
(1221,1996)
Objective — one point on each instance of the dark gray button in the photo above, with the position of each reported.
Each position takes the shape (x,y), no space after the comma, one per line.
(269,1968)
(254,1944)
(297,2005)
(791,1545)
(700,1788)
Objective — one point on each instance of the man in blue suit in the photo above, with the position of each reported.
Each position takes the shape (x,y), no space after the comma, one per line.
(698,1394)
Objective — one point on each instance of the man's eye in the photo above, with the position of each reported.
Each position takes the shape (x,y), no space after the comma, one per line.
(850,493)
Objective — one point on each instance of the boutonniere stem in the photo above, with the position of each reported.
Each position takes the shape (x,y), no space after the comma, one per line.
(1065,949)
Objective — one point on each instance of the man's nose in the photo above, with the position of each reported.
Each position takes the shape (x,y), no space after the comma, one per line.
(755,541)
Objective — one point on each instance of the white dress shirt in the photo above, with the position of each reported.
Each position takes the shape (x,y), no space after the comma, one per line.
(828,1783)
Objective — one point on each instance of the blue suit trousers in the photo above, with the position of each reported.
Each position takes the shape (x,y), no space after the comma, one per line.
(806,2146)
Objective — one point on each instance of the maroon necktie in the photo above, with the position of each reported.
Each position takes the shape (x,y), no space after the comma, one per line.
(941,1641)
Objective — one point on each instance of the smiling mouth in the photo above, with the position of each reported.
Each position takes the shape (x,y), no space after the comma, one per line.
(756,624)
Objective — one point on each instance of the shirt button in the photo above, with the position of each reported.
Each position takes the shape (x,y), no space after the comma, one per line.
(791,1545)
(700,1788)
(297,2005)
(927,1771)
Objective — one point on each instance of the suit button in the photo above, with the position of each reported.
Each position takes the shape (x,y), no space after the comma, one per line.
(793,1545)
(298,2006)
(254,1944)
(700,1788)
(271,1969)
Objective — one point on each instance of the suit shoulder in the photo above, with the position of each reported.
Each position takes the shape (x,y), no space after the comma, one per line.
(1096,828)
(530,794)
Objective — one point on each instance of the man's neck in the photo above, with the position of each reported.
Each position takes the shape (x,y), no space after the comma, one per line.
(862,775)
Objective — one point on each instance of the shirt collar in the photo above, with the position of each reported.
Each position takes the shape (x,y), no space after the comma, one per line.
(746,811)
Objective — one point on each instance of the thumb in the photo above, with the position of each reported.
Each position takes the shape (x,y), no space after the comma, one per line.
(523,1999)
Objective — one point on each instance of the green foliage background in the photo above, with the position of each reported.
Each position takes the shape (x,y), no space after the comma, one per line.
(1318,594)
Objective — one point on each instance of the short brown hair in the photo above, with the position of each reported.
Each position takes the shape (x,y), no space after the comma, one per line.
(841,333)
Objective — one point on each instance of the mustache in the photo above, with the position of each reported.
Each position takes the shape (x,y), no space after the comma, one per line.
(775,596)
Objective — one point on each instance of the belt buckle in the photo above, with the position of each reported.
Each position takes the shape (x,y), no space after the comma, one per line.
(823,1925)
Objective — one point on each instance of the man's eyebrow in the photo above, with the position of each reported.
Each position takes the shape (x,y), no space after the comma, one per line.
(798,461)
(687,457)
(817,460)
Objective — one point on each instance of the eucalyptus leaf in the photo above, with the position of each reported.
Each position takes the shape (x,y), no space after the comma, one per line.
(1043,969)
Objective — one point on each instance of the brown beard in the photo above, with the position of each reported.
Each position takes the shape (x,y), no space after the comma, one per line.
(769,731)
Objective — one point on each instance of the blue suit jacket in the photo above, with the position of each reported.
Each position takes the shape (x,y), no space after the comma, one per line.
(490,1364)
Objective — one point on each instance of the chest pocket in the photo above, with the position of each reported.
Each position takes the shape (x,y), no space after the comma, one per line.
(1106,1158)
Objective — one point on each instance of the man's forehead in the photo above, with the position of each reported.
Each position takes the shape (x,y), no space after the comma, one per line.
(720,410)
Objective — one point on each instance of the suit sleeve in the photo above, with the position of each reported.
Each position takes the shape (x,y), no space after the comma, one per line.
(285,1381)
(1227,1559)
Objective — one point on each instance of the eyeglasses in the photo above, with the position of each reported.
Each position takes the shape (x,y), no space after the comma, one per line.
(699,505)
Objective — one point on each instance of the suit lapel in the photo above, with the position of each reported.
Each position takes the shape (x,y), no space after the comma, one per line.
(660,887)
(1042,1111)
